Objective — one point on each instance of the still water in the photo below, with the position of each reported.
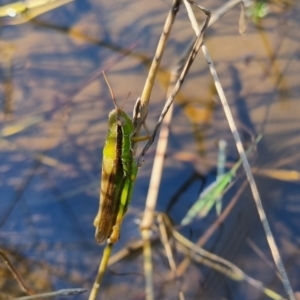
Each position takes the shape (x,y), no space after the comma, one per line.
(54,108)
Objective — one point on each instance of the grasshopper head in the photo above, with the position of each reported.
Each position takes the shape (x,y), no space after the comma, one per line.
(117,118)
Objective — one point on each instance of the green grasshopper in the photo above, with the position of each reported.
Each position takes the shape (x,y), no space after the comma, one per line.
(119,170)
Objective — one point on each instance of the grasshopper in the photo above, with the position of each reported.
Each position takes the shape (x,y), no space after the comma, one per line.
(119,170)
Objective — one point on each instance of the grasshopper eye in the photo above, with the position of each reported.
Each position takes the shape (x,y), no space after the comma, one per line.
(121,121)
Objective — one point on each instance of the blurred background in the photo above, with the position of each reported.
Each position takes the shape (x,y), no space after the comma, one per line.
(53,117)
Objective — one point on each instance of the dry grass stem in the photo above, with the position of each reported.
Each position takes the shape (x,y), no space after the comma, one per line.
(159,158)
(221,265)
(145,97)
(61,293)
(101,271)
(162,141)
(189,62)
(166,243)
(148,270)
(253,186)
(151,201)
(130,248)
(16,274)
(262,256)
(245,162)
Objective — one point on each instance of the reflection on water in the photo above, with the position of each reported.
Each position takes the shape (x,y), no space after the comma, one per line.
(54,120)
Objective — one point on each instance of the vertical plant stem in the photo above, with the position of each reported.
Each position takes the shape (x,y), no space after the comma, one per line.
(145,97)
(101,270)
(194,51)
(245,162)
(148,271)
(151,201)
(253,186)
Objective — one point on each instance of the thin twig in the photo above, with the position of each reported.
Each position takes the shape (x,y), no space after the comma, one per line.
(16,274)
(151,198)
(162,144)
(131,248)
(218,13)
(64,292)
(139,118)
(148,270)
(165,241)
(145,97)
(222,265)
(159,158)
(262,256)
(253,186)
(101,271)
(150,206)
(189,62)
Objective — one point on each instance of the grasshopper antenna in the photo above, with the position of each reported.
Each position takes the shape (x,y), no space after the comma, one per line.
(111,91)
(125,100)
